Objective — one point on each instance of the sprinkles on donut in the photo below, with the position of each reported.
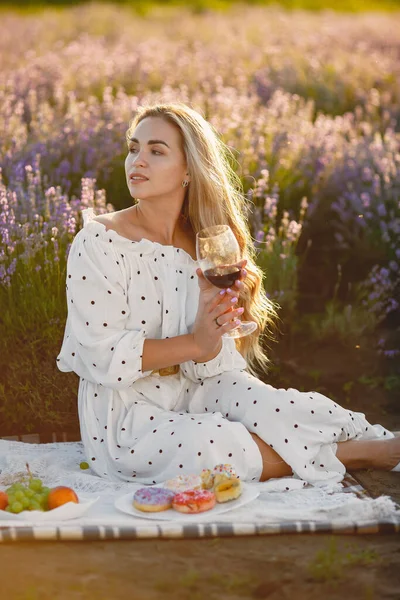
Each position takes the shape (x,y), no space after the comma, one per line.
(153,499)
(194,501)
(182,483)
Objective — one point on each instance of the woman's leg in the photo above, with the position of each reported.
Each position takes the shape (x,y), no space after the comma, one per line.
(273,465)
(300,429)
(369,454)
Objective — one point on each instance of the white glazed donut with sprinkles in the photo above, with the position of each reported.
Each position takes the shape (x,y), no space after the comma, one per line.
(182,483)
(224,469)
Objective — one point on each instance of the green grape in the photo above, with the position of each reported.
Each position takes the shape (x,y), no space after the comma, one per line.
(16,507)
(19,495)
(11,498)
(25,503)
(29,493)
(34,505)
(35,484)
(44,504)
(84,465)
(46,490)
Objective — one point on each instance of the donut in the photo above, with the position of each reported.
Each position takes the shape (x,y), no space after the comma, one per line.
(221,478)
(224,469)
(230,489)
(153,499)
(194,501)
(207,479)
(182,483)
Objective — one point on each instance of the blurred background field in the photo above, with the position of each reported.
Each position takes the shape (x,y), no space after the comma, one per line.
(308,101)
(142,6)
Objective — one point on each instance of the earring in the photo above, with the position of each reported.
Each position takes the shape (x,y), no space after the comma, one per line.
(185,183)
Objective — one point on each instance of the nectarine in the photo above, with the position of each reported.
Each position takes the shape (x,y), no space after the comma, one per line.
(61,495)
(3,500)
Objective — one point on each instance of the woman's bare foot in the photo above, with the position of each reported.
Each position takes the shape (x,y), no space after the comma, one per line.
(388,455)
(378,454)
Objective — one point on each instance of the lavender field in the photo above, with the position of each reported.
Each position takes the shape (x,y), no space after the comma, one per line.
(308,103)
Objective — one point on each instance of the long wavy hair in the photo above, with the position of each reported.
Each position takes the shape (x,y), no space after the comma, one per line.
(214,197)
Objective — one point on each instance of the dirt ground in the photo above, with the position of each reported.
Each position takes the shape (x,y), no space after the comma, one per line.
(304,567)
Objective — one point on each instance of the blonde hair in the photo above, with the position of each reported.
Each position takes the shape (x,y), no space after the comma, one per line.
(214,197)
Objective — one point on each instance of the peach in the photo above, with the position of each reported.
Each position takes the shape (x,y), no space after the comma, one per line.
(61,495)
(3,500)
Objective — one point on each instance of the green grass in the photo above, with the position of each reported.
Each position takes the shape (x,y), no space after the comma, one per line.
(216,583)
(331,564)
(33,394)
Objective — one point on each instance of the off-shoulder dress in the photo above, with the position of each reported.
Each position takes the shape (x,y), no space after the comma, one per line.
(140,426)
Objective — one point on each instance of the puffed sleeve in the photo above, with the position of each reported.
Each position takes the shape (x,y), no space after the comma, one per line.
(228,359)
(97,344)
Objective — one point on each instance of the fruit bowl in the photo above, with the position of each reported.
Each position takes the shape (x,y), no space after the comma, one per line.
(35,502)
(70,510)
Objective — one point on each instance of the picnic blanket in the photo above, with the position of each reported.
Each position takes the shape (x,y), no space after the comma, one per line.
(283,505)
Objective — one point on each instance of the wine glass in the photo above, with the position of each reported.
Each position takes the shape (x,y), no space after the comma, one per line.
(218,255)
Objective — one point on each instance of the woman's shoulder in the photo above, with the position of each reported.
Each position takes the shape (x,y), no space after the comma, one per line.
(105,219)
(120,228)
(110,220)
(112,227)
(120,222)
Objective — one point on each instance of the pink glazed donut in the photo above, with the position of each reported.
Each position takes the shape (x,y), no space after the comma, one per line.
(194,501)
(153,499)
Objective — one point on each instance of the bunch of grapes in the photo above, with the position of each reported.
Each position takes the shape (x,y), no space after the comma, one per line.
(27,497)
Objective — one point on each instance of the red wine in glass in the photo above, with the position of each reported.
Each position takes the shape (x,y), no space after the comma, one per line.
(218,255)
(223,276)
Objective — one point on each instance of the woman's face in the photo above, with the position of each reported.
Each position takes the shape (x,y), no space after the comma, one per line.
(155,153)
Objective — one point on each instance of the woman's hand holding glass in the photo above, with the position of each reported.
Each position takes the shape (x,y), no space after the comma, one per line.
(221,306)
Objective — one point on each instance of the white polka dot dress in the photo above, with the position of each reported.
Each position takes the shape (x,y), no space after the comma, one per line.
(140,426)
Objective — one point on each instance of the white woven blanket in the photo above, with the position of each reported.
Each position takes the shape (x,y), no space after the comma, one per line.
(280,500)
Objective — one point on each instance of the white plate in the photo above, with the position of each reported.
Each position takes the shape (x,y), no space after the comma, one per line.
(125,504)
(70,510)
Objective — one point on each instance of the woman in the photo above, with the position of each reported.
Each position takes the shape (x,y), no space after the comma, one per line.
(161,391)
